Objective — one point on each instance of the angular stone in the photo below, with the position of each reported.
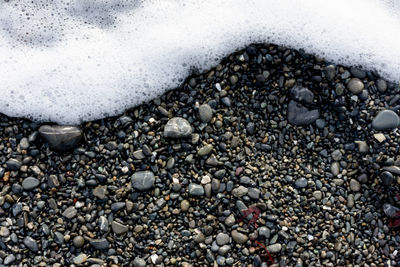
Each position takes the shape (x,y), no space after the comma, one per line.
(300,115)
(143,180)
(196,190)
(302,95)
(70,212)
(30,183)
(177,127)
(119,228)
(100,244)
(100,192)
(61,138)
(386,119)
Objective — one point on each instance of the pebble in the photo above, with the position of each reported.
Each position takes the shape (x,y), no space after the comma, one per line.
(143,180)
(355,85)
(9,259)
(13,164)
(119,228)
(31,244)
(196,190)
(275,248)
(205,113)
(239,237)
(222,239)
(139,262)
(70,213)
(300,115)
(30,183)
(205,150)
(355,185)
(100,244)
(80,259)
(386,119)
(301,183)
(387,178)
(177,127)
(61,137)
(78,241)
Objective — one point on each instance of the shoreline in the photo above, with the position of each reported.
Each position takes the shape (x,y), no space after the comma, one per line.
(312,146)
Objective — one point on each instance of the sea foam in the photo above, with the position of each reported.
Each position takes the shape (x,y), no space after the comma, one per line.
(70,61)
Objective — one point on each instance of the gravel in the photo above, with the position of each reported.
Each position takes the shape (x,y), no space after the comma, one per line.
(267,146)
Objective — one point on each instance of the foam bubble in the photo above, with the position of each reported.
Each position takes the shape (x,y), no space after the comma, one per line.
(72,61)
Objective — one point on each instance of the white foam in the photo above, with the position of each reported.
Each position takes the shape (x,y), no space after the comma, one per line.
(72,61)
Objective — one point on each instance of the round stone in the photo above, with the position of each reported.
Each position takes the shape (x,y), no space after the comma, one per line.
(239,237)
(355,185)
(177,127)
(275,248)
(387,178)
(30,183)
(205,113)
(386,119)
(355,86)
(185,205)
(78,241)
(222,239)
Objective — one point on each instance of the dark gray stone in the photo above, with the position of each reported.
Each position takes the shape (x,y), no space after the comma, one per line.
(143,180)
(100,244)
(205,113)
(70,212)
(301,183)
(196,190)
(61,138)
(302,95)
(386,119)
(13,164)
(30,183)
(300,115)
(31,244)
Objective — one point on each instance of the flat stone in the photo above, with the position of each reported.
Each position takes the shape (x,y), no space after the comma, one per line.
(100,244)
(355,86)
(103,224)
(362,146)
(80,259)
(196,190)
(391,211)
(13,164)
(239,237)
(31,244)
(380,137)
(300,115)
(30,183)
(239,191)
(70,212)
(143,180)
(205,113)
(24,143)
(4,231)
(177,127)
(355,185)
(386,119)
(100,192)
(205,150)
(392,169)
(301,183)
(61,138)
(119,228)
(275,248)
(9,259)
(117,206)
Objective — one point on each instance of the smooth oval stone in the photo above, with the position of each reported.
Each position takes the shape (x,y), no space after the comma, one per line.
(355,86)
(31,243)
(205,113)
(143,180)
(30,183)
(386,119)
(100,244)
(177,128)
(61,138)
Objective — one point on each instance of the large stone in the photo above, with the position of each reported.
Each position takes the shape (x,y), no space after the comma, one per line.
(61,138)
(302,95)
(355,86)
(100,244)
(300,115)
(31,243)
(119,228)
(177,128)
(30,183)
(143,180)
(386,119)
(70,212)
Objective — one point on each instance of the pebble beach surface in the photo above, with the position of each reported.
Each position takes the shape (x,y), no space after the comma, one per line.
(273,149)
